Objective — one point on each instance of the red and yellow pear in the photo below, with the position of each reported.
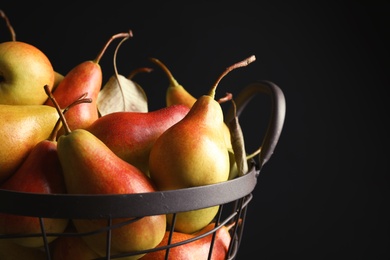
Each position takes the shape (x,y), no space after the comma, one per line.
(85,77)
(193,152)
(40,172)
(177,94)
(90,167)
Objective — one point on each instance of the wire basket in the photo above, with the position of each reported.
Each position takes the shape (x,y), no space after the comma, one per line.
(232,196)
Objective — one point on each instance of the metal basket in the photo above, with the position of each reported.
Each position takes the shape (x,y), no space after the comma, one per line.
(233,196)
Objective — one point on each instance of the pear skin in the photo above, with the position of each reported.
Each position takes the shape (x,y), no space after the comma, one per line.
(85,77)
(198,249)
(177,94)
(24,70)
(125,132)
(22,127)
(90,167)
(41,172)
(192,153)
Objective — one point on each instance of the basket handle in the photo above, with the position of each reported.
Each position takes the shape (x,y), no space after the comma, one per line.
(278,111)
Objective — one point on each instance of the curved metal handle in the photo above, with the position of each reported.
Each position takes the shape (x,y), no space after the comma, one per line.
(278,111)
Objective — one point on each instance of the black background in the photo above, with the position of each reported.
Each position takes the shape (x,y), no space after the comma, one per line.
(323,193)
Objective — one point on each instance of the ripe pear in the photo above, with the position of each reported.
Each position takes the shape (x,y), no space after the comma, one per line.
(90,167)
(193,152)
(41,172)
(198,249)
(85,77)
(177,94)
(22,127)
(131,135)
(24,70)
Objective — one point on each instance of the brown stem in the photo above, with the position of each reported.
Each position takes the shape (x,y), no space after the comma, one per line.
(166,70)
(119,35)
(57,106)
(58,125)
(240,64)
(137,71)
(10,28)
(227,97)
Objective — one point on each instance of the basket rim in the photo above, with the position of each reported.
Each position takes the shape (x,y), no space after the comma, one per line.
(97,206)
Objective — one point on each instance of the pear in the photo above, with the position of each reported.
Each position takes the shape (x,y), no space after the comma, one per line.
(131,135)
(193,152)
(24,70)
(40,172)
(85,77)
(90,167)
(177,94)
(197,249)
(22,127)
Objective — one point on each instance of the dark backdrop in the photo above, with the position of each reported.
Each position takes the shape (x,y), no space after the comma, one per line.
(323,193)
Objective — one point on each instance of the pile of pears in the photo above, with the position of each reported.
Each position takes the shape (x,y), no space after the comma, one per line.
(57,139)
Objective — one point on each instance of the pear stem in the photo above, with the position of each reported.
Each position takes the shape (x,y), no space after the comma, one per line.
(10,28)
(57,127)
(172,80)
(227,97)
(57,106)
(137,71)
(119,35)
(240,64)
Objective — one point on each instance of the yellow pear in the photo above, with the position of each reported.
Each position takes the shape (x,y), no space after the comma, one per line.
(22,127)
